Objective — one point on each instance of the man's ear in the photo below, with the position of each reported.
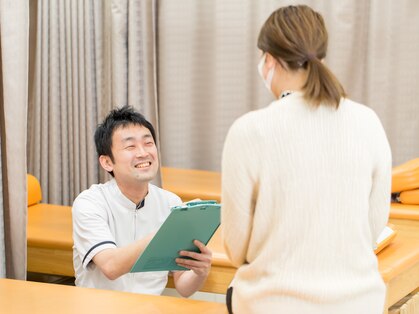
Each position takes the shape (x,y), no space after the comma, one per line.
(106,163)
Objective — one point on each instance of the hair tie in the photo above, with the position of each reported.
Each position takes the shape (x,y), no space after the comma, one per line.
(311,56)
(308,57)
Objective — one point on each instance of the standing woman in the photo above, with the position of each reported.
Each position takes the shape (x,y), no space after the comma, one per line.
(305,184)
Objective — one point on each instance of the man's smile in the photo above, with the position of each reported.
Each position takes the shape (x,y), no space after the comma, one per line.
(143,164)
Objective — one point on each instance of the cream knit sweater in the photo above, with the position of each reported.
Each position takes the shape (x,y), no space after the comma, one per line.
(305,194)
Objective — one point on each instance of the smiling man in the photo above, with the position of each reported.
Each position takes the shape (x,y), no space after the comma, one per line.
(114,222)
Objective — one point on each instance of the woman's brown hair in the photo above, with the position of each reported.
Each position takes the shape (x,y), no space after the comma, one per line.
(297,36)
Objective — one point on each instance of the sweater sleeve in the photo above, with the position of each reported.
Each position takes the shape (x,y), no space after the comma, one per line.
(379,200)
(239,191)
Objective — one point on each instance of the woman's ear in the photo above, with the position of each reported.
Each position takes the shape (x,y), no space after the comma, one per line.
(106,163)
(269,61)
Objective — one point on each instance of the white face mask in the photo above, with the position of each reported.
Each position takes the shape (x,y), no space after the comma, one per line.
(271,72)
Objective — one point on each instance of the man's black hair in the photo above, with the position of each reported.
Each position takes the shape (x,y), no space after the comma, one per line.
(119,117)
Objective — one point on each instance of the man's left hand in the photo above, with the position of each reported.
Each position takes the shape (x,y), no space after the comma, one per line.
(200,263)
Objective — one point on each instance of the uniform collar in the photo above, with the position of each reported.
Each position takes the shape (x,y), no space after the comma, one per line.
(125,200)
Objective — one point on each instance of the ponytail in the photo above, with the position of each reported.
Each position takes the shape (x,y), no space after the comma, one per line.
(322,87)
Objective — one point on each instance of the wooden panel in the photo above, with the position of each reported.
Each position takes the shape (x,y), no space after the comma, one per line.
(402,285)
(190,184)
(218,280)
(50,261)
(50,226)
(403,252)
(400,211)
(34,297)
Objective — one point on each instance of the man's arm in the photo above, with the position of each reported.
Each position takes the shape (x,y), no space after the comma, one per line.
(188,282)
(116,262)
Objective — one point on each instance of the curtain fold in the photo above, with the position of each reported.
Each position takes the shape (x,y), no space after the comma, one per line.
(89,57)
(393,73)
(14,45)
(208,58)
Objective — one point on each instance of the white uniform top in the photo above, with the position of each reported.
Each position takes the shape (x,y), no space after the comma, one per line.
(105,218)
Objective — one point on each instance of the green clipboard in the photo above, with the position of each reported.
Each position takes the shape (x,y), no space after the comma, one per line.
(194,220)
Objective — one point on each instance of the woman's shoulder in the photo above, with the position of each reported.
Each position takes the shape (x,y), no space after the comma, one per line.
(252,117)
(359,111)
(248,123)
(351,105)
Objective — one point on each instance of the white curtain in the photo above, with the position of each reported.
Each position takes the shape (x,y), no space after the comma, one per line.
(14,43)
(89,57)
(207,58)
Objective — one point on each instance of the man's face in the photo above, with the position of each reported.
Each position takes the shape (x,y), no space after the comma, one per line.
(134,153)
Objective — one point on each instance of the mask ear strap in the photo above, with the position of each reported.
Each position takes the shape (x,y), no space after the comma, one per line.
(269,78)
(261,64)
(271,72)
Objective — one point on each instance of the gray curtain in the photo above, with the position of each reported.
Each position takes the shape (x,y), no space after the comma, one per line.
(208,76)
(88,57)
(14,43)
(392,75)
